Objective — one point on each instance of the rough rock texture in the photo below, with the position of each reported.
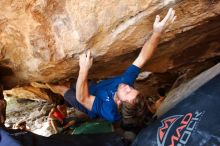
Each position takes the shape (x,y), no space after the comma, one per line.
(27,92)
(40,40)
(34,113)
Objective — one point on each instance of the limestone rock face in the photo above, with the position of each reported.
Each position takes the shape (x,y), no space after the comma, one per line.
(40,40)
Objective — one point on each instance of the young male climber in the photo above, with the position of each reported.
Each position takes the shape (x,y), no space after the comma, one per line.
(104,99)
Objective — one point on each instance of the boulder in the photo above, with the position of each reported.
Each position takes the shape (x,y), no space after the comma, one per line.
(42,39)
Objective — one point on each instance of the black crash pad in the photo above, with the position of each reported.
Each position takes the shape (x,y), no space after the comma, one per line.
(195,121)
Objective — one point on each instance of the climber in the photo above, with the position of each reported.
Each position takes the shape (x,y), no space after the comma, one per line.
(104,99)
(58,119)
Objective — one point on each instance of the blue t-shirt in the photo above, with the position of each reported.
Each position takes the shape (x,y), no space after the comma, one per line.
(104,91)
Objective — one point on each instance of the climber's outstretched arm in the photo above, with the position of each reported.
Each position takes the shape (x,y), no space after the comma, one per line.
(82,91)
(150,46)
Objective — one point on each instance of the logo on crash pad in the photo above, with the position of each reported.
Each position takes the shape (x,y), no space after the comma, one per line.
(177,129)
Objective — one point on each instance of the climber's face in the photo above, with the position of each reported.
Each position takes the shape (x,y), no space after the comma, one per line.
(126,93)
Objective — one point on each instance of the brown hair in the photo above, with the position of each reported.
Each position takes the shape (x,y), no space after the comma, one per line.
(133,114)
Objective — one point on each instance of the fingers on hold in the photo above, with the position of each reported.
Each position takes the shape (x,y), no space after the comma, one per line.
(80,56)
(157,19)
(172,14)
(170,10)
(174,18)
(88,53)
(168,14)
(83,55)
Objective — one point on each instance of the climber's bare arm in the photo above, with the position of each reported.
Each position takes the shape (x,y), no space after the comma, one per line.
(82,91)
(51,113)
(70,123)
(150,46)
(51,121)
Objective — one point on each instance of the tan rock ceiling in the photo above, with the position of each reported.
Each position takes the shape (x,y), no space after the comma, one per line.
(40,40)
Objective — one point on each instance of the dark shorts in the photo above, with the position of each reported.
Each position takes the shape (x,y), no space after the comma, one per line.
(71,101)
